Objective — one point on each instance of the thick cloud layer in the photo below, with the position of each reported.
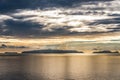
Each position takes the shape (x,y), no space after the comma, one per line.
(44,18)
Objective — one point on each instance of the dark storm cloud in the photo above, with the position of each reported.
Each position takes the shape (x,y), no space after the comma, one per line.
(11,5)
(107,21)
(114,22)
(20,28)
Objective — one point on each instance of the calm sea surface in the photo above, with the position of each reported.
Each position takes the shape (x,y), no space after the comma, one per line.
(60,67)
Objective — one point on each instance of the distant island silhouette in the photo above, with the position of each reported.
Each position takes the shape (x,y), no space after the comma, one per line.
(51,51)
(106,51)
(10,54)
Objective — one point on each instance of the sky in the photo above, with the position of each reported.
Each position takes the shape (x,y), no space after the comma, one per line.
(24,22)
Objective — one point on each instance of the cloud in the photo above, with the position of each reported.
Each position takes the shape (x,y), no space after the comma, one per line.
(10,46)
(46,18)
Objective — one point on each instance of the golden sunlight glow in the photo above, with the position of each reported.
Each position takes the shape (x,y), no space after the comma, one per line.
(62,39)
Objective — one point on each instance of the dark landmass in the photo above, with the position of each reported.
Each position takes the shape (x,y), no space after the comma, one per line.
(51,51)
(10,54)
(39,52)
(106,51)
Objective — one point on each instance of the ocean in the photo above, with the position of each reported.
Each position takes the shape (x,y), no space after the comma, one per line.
(60,67)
